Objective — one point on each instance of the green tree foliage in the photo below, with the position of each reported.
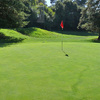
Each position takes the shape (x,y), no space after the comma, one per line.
(90,19)
(80,2)
(32,6)
(36,2)
(71,15)
(17,13)
(59,13)
(12,13)
(69,12)
(49,17)
(45,16)
(40,14)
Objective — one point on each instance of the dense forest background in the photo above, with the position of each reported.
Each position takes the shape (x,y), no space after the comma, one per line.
(76,14)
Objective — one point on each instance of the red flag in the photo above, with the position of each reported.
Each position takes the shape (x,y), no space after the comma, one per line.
(62,25)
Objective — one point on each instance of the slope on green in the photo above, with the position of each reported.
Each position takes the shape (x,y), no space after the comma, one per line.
(8,35)
(41,35)
(37,32)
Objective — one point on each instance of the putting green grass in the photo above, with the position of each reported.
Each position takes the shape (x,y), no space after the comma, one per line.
(37,69)
(40,71)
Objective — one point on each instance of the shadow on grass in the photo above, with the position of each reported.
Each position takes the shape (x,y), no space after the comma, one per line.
(9,41)
(5,44)
(26,31)
(95,40)
(79,33)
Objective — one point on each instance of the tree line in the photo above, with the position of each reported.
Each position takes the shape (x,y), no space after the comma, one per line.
(76,14)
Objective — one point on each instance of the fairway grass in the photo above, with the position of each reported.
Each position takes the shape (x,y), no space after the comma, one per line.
(41,71)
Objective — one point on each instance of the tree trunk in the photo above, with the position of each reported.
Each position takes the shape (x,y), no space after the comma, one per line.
(99,36)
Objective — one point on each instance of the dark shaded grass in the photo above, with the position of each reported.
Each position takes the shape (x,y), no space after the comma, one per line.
(78,33)
(26,31)
(95,40)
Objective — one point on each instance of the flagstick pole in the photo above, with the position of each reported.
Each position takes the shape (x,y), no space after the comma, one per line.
(62,48)
(62,41)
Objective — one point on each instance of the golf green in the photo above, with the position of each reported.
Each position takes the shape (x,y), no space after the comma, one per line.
(41,71)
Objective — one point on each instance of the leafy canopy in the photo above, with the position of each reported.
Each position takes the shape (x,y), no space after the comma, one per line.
(90,19)
(12,13)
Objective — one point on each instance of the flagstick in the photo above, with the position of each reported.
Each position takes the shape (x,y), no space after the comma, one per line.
(62,26)
(62,41)
(62,45)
